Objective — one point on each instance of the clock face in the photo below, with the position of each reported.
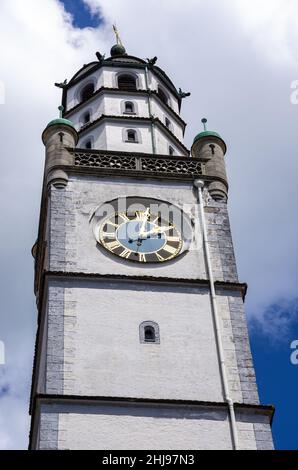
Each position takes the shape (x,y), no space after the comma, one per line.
(140,236)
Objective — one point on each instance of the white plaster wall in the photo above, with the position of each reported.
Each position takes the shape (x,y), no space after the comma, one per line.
(73,92)
(163,142)
(106,356)
(114,136)
(83,254)
(97,135)
(96,431)
(110,76)
(154,82)
(160,112)
(112,104)
(119,425)
(95,107)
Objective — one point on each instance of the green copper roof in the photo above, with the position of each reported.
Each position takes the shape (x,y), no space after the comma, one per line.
(206,134)
(58,121)
(118,49)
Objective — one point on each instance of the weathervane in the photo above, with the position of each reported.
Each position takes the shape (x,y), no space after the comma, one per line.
(118,39)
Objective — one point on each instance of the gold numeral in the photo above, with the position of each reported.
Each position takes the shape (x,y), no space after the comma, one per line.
(125,253)
(142,257)
(123,217)
(159,257)
(173,239)
(170,249)
(113,245)
(109,234)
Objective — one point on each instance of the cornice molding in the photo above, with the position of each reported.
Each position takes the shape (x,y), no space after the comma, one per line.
(266,409)
(219,285)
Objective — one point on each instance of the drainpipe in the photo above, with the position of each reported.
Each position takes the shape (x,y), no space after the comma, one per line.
(199,184)
(149,111)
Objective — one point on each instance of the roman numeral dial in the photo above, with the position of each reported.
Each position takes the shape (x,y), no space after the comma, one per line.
(140,236)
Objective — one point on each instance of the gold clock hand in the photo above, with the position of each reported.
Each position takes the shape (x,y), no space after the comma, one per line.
(157,230)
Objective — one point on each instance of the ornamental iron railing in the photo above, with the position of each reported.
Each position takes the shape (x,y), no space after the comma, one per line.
(150,164)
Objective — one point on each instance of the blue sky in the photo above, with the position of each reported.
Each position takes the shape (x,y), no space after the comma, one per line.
(240,78)
(82,16)
(277,382)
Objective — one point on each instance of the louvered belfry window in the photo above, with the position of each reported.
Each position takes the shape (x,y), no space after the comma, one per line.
(127,82)
(162,95)
(87,92)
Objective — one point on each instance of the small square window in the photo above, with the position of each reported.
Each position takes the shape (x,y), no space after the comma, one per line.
(129,107)
(149,332)
(131,136)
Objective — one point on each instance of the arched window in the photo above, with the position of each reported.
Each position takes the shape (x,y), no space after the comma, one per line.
(212,147)
(87,91)
(167,123)
(86,118)
(149,332)
(88,144)
(129,107)
(131,136)
(127,82)
(171,150)
(162,95)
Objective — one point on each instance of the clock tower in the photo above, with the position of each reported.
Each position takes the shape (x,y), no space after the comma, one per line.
(142,340)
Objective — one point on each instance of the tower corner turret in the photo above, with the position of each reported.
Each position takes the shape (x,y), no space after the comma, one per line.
(211,148)
(59,134)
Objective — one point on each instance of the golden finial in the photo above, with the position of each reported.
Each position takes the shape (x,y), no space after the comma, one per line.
(118,39)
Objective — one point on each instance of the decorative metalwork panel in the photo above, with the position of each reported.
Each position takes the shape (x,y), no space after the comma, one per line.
(146,164)
(173,166)
(105,161)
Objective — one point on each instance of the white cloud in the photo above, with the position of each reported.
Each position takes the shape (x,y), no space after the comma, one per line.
(271,26)
(236,57)
(39,47)
(278,321)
